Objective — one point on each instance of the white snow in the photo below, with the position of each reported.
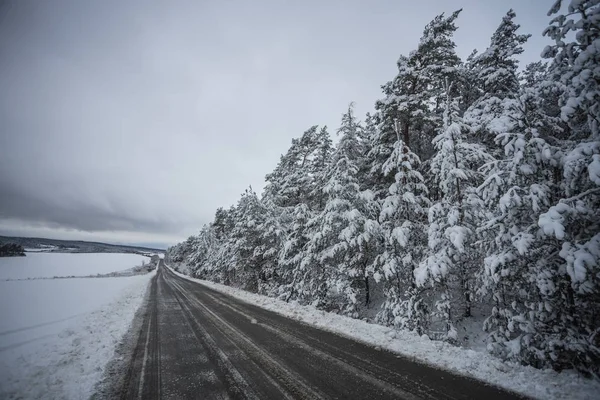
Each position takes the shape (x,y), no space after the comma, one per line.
(594,169)
(48,265)
(541,384)
(57,335)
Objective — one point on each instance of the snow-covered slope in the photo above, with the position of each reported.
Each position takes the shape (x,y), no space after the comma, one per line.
(48,265)
(56,336)
(541,384)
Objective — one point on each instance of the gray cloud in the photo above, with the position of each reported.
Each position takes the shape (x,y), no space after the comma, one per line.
(142,117)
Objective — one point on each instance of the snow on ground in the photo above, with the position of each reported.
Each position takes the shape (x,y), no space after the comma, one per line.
(57,335)
(48,265)
(541,384)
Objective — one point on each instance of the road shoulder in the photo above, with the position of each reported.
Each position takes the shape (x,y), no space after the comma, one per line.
(117,370)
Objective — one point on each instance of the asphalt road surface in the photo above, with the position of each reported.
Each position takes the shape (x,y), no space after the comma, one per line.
(196,343)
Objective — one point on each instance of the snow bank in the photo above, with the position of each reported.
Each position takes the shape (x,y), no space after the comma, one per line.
(541,384)
(48,265)
(56,336)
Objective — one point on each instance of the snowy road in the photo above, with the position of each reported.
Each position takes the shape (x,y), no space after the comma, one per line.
(199,343)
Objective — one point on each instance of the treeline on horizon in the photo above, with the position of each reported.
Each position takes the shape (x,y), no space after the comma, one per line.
(473,188)
(11,250)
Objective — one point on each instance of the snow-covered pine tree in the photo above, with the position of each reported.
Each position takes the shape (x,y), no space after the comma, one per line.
(452,258)
(576,62)
(413,101)
(467,85)
(256,238)
(197,258)
(294,259)
(244,238)
(291,182)
(495,73)
(319,164)
(271,238)
(400,102)
(368,131)
(436,62)
(519,273)
(221,223)
(573,221)
(344,240)
(368,137)
(371,206)
(403,219)
(179,253)
(294,192)
(408,114)
(222,258)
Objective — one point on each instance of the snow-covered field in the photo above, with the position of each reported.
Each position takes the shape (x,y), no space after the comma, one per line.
(541,384)
(48,265)
(57,335)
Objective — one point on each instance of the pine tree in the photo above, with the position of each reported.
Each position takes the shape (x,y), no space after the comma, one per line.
(399,104)
(403,217)
(296,262)
(436,62)
(294,192)
(245,239)
(468,87)
(290,183)
(518,271)
(222,257)
(256,238)
(572,223)
(453,259)
(199,254)
(344,241)
(412,104)
(495,73)
(318,168)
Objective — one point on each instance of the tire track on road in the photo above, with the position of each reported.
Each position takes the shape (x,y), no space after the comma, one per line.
(273,369)
(236,385)
(364,369)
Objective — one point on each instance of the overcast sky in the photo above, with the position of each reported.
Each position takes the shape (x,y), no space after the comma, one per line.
(132,121)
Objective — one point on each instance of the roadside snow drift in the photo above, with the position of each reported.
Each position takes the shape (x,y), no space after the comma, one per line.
(57,335)
(541,384)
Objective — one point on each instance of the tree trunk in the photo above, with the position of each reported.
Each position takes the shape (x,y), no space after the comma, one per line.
(464,284)
(406,137)
(367,293)
(467,301)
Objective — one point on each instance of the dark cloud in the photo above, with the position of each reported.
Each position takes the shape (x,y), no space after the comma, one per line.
(141,117)
(82,215)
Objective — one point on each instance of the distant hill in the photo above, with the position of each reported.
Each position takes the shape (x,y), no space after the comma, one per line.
(74,246)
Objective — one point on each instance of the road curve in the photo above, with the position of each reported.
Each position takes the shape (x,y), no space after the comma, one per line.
(196,343)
